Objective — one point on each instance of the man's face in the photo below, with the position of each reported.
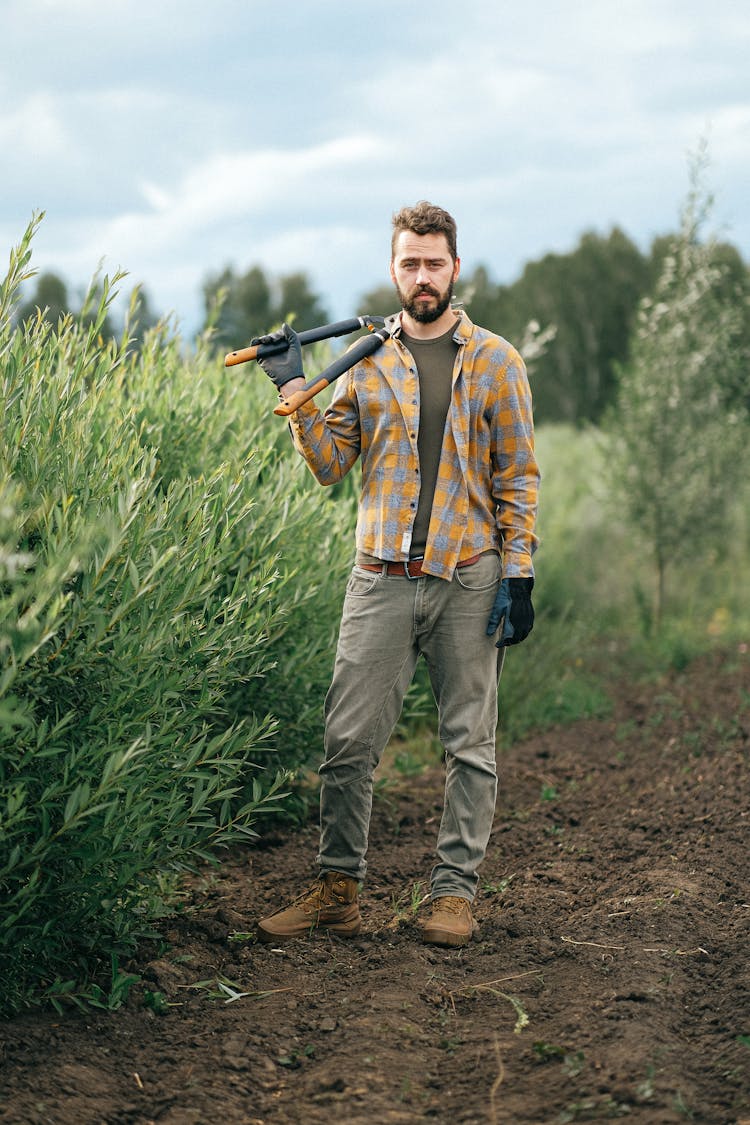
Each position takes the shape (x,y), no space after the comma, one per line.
(423,272)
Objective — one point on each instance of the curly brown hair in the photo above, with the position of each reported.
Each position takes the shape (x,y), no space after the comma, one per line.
(425,218)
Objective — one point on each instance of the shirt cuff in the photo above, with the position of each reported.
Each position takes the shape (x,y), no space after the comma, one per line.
(517,564)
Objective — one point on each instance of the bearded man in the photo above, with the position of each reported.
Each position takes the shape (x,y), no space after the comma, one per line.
(441,418)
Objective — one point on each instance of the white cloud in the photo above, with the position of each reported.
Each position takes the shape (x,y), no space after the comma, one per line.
(240,208)
(34,129)
(729,132)
(233,188)
(175,137)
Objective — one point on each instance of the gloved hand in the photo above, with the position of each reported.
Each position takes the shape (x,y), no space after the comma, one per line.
(285,365)
(513,607)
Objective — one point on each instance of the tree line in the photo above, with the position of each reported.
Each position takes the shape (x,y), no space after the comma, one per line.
(586,301)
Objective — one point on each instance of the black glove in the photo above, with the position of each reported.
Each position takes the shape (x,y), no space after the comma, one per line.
(285,365)
(499,614)
(521,613)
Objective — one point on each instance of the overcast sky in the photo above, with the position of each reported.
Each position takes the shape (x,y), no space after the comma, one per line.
(174,137)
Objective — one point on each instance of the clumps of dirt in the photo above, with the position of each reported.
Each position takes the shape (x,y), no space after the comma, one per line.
(609,980)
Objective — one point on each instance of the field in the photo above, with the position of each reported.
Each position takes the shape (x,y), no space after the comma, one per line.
(167,630)
(610,979)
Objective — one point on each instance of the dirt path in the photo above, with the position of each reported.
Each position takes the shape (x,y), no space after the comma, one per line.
(610,980)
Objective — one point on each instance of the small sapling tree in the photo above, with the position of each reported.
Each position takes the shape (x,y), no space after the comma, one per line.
(678,425)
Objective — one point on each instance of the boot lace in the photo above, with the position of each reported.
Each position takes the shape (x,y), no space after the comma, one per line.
(320,894)
(313,898)
(450,903)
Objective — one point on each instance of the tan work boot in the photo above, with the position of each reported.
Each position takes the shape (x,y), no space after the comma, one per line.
(331,903)
(451,922)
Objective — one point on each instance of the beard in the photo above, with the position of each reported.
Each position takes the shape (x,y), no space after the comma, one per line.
(425,314)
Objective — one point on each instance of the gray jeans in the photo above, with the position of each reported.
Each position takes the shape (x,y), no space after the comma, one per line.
(387,622)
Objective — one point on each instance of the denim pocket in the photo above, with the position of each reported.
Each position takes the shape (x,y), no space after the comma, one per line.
(361,582)
(481,575)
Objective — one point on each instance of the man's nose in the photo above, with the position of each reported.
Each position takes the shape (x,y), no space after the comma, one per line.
(423,275)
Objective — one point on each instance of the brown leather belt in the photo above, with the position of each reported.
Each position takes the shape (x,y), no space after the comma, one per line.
(410,569)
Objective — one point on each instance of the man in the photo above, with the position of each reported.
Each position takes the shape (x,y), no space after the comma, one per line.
(441,419)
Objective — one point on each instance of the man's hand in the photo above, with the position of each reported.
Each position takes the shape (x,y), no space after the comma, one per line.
(287,365)
(513,607)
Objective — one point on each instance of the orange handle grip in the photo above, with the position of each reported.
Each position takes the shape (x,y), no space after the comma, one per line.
(241,356)
(289,405)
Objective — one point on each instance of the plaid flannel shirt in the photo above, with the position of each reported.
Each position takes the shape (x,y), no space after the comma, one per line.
(487,484)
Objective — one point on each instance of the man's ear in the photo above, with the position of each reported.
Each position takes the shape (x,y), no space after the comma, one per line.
(392,272)
(456,269)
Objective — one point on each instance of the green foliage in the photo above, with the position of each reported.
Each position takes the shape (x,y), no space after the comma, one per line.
(51,301)
(251,304)
(50,298)
(588,299)
(380,301)
(679,427)
(155,568)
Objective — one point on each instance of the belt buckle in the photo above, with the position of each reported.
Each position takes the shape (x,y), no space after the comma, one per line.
(412,577)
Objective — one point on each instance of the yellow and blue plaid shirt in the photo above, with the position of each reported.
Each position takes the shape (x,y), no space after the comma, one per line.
(488,479)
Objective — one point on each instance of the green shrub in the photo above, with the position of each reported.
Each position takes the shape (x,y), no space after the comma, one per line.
(165,634)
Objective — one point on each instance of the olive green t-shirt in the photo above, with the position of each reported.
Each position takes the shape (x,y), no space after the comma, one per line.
(434,360)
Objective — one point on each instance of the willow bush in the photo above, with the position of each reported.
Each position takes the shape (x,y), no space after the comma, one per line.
(160,678)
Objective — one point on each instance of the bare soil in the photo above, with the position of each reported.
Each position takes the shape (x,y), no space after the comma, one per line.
(610,978)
